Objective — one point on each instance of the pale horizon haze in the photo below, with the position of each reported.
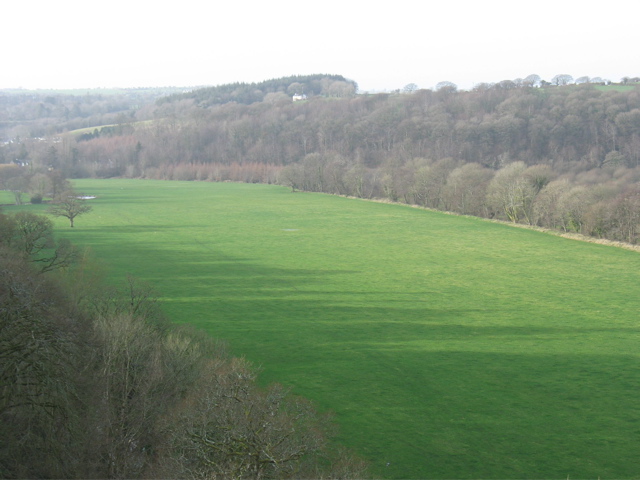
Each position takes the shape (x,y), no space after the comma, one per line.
(138,43)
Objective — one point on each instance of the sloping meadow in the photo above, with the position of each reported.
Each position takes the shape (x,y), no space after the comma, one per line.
(447,347)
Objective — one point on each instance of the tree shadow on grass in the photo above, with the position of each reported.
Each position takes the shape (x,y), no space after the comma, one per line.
(436,392)
(466,414)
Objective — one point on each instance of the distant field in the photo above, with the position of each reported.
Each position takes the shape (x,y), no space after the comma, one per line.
(6,197)
(448,347)
(80,131)
(617,88)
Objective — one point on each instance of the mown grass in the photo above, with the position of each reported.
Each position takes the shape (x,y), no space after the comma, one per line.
(447,347)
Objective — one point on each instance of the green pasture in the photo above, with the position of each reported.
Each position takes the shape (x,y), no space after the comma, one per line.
(80,131)
(6,197)
(447,347)
(616,87)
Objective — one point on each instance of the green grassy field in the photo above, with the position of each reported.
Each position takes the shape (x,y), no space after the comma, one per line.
(6,198)
(447,347)
(91,129)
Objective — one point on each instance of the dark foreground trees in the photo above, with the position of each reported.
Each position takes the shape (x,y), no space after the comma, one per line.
(98,386)
(30,237)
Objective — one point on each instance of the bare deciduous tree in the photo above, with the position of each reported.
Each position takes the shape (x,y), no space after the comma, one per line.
(39,368)
(232,429)
(511,193)
(466,189)
(562,79)
(32,237)
(532,80)
(69,205)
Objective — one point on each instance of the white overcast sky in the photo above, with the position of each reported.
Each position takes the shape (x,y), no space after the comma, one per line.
(380,45)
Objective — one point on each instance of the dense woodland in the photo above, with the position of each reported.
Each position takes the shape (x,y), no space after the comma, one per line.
(562,154)
(95,384)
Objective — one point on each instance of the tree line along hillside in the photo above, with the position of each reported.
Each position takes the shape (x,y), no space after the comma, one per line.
(558,156)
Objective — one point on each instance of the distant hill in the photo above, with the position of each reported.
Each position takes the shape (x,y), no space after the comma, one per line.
(37,113)
(248,93)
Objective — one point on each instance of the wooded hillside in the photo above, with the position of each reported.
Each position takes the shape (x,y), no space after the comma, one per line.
(559,155)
